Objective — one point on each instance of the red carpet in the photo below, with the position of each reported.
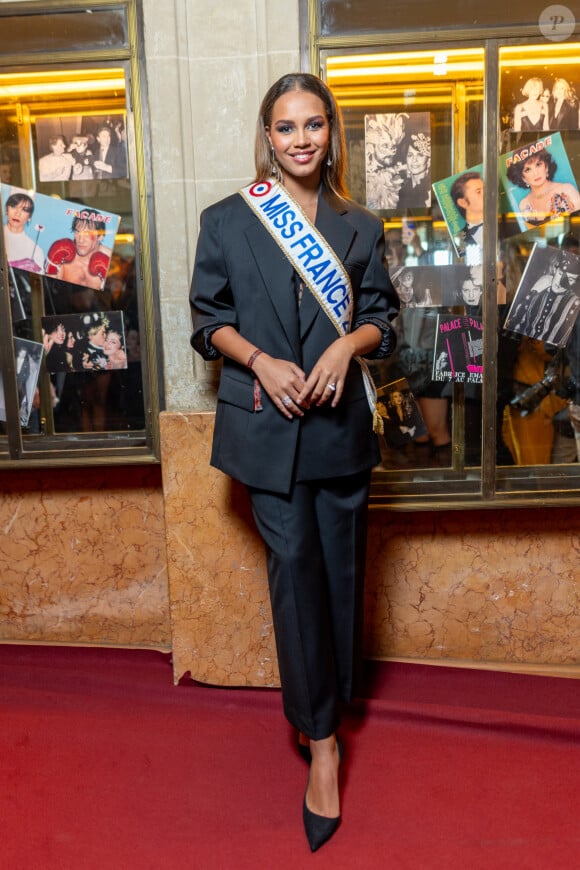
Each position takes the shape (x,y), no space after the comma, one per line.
(105,765)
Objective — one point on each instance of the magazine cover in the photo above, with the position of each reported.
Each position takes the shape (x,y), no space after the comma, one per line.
(53,237)
(460,199)
(401,415)
(547,299)
(458,349)
(539,182)
(398,160)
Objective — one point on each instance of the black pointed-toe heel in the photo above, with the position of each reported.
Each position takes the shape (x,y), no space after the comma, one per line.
(318,829)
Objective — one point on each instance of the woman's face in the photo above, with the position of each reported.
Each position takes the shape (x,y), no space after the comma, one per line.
(560,89)
(299,134)
(19,215)
(534,89)
(416,162)
(59,334)
(471,292)
(535,172)
(112,343)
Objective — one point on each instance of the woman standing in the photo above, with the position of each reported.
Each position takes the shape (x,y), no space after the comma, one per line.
(563,107)
(293,421)
(415,191)
(532,112)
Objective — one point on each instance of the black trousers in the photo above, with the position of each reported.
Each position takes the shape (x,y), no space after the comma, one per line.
(315,548)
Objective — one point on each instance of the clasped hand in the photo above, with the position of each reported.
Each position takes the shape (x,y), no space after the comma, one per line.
(293,392)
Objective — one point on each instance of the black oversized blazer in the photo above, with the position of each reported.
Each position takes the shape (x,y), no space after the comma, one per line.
(242,278)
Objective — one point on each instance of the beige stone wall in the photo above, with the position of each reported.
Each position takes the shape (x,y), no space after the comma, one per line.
(82,557)
(208,67)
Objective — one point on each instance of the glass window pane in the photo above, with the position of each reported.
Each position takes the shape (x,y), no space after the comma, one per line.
(539,226)
(70,30)
(368,16)
(414,125)
(69,234)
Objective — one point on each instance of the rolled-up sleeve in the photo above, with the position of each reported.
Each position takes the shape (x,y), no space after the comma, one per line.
(377,301)
(211,300)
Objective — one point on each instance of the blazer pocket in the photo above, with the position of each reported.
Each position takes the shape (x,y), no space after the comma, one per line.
(236,391)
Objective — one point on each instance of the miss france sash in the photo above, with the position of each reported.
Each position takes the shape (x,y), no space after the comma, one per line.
(314,260)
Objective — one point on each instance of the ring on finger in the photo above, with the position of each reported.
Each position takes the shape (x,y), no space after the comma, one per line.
(286,401)
(331,387)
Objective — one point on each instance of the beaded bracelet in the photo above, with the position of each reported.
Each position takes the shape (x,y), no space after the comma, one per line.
(254,357)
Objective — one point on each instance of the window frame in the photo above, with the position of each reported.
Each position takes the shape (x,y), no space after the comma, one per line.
(488,485)
(110,447)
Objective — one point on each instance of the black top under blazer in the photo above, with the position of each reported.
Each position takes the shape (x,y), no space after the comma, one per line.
(242,279)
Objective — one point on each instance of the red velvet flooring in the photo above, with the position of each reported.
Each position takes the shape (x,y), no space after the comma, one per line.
(105,765)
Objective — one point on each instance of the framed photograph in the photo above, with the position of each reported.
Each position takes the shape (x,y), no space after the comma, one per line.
(539,99)
(547,300)
(93,341)
(81,148)
(54,237)
(463,285)
(402,418)
(398,160)
(539,182)
(419,286)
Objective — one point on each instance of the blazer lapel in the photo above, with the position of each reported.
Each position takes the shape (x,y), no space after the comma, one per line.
(339,234)
(278,276)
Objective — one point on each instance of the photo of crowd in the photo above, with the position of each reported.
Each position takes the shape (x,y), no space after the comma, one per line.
(80,148)
(94,341)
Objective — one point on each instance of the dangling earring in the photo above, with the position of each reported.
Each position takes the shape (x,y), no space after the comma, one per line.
(274,169)
(328,160)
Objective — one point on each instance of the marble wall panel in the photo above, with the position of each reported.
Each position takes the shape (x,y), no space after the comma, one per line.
(82,557)
(494,586)
(492,589)
(220,612)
